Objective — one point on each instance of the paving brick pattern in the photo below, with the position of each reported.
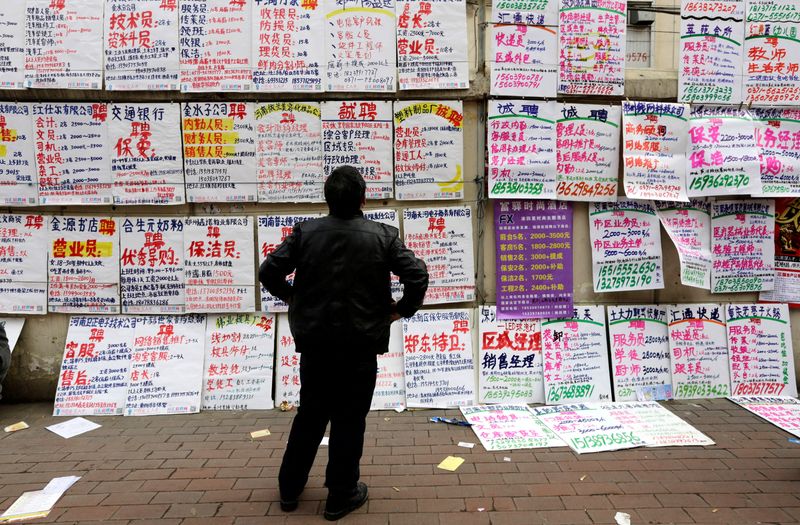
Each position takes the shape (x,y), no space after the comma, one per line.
(205,469)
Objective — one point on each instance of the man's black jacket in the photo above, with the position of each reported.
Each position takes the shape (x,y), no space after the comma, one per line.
(342,289)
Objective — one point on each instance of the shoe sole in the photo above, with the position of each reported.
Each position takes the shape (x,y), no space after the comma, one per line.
(333,516)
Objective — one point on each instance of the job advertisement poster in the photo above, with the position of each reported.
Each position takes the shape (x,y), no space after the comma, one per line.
(18,174)
(23,269)
(689,227)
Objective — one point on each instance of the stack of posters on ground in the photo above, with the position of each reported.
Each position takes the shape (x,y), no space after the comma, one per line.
(781,411)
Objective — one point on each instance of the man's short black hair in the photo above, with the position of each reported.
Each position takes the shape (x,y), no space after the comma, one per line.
(344,191)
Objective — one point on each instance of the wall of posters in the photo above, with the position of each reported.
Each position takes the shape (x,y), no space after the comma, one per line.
(64,44)
(742,246)
(94,371)
(166,373)
(429,150)
(689,227)
(639,340)
(587,152)
(218,258)
(18,181)
(523,59)
(152,273)
(289,152)
(141,45)
(509,359)
(588,428)
(287,367)
(778,140)
(698,346)
(288,46)
(522,149)
(509,427)
(145,152)
(23,270)
(442,237)
(432,44)
(787,259)
(781,411)
(237,370)
(390,384)
(439,364)
(359,134)
(656,425)
(12,45)
(533,259)
(83,265)
(576,357)
(72,154)
(772,54)
(219,152)
(216,54)
(626,246)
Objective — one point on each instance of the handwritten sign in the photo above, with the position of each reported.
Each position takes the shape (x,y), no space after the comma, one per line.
(237,371)
(390,384)
(510,357)
(779,156)
(23,270)
(639,349)
(689,227)
(64,44)
(83,265)
(787,258)
(18,180)
(359,134)
(166,374)
(509,427)
(215,45)
(146,157)
(588,428)
(626,246)
(698,344)
(772,54)
(533,259)
(152,273)
(587,152)
(742,246)
(287,366)
(141,45)
(781,411)
(429,150)
(12,47)
(218,257)
(524,58)
(773,11)
(711,52)
(439,365)
(72,153)
(760,348)
(576,357)
(361,45)
(442,237)
(656,425)
(522,149)
(288,46)
(530,12)
(219,152)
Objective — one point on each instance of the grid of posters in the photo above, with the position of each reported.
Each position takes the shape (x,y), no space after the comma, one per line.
(689,227)
(778,140)
(772,53)
(23,270)
(12,47)
(287,367)
(787,259)
(390,383)
(509,427)
(588,428)
(781,411)
(524,58)
(18,181)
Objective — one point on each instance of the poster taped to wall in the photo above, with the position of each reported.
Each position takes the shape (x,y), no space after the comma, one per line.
(778,140)
(689,227)
(287,366)
(12,53)
(524,59)
(772,56)
(787,257)
(18,179)
(23,269)
(529,12)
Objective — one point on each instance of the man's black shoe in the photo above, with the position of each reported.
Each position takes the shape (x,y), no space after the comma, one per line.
(288,505)
(337,508)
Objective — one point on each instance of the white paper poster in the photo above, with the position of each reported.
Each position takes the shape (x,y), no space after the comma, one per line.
(772,56)
(576,357)
(64,44)
(218,258)
(83,265)
(432,44)
(429,150)
(152,273)
(639,338)
(145,151)
(166,374)
(13,327)
(390,384)
(509,359)
(587,152)
(23,269)
(588,428)
(215,45)
(141,45)
(72,154)
(360,45)
(778,141)
(12,45)
(442,237)
(237,372)
(742,246)
(219,152)
(287,367)
(289,152)
(524,59)
(359,134)
(689,227)
(656,425)
(530,12)
(698,346)
(781,411)
(760,349)
(787,257)
(522,149)
(439,362)
(94,372)
(626,246)
(18,180)
(509,427)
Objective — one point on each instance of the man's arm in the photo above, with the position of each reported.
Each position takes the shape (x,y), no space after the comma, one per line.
(278,265)
(413,275)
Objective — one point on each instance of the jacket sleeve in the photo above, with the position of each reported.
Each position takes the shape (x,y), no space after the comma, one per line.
(278,265)
(413,275)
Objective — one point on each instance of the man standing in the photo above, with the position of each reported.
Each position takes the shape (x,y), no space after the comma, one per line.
(340,310)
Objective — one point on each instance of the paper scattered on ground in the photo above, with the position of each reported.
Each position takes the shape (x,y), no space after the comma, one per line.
(465,444)
(38,503)
(260,433)
(325,441)
(506,458)
(16,426)
(451,463)
(622,518)
(73,427)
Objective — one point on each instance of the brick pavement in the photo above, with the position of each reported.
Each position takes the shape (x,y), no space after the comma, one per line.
(205,469)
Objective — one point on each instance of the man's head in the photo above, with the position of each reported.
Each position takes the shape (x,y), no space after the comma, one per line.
(345,191)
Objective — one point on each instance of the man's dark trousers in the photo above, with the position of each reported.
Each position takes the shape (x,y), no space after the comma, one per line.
(335,386)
